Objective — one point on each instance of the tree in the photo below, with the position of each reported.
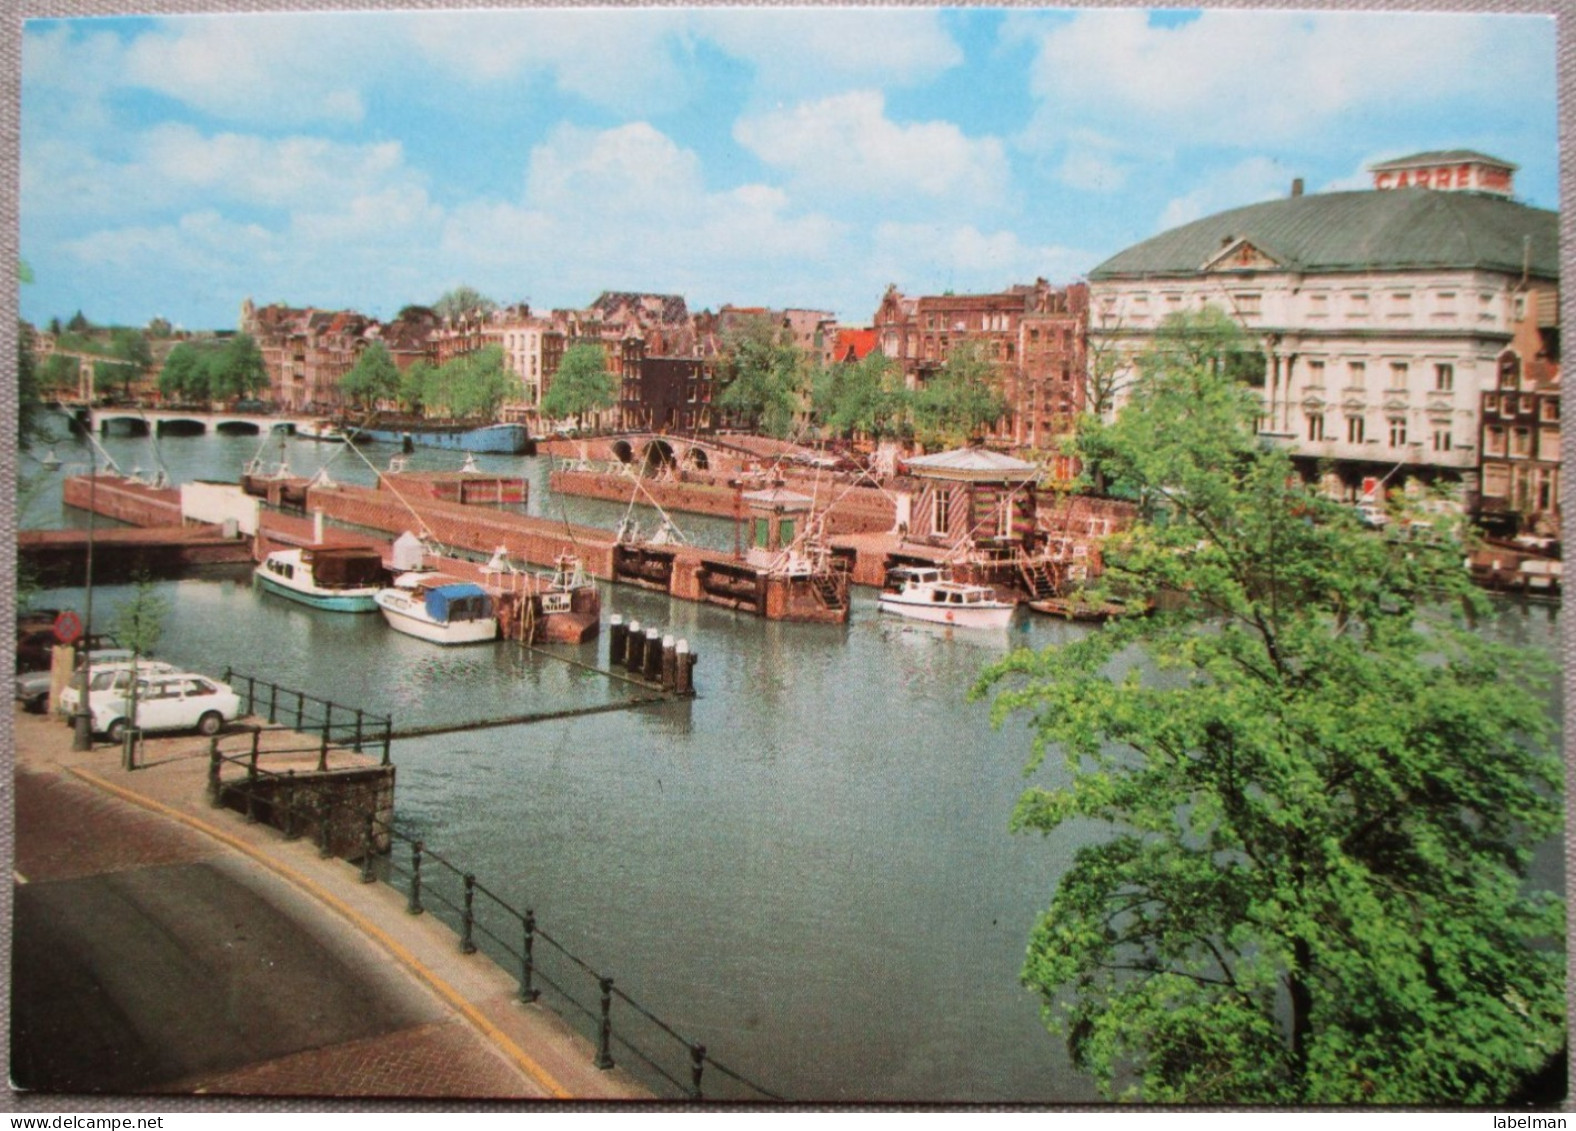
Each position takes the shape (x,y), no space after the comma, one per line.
(961,401)
(185,376)
(29,389)
(59,374)
(463,302)
(866,397)
(237,369)
(582,385)
(419,383)
(139,625)
(477,383)
(765,377)
(374,378)
(1320,805)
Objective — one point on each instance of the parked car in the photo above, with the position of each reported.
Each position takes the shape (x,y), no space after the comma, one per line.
(166,701)
(111,671)
(32,691)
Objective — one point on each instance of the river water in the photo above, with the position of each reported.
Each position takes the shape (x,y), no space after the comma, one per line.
(807,867)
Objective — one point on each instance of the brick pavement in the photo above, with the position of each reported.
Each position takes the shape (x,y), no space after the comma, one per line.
(81,817)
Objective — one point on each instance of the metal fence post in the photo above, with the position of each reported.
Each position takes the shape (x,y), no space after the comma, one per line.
(528,992)
(388,737)
(300,709)
(697,1066)
(414,907)
(215,788)
(291,832)
(251,780)
(325,824)
(604,1052)
(359,714)
(273,702)
(366,852)
(322,752)
(468,916)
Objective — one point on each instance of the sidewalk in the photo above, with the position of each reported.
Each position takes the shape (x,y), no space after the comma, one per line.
(417,1018)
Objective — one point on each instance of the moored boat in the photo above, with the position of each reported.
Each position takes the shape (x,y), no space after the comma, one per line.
(503,439)
(928,594)
(324,430)
(338,579)
(439,609)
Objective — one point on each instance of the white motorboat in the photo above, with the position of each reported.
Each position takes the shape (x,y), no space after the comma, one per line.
(439,609)
(928,594)
(335,578)
(325,430)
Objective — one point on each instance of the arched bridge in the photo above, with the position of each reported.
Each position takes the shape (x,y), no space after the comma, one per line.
(182,422)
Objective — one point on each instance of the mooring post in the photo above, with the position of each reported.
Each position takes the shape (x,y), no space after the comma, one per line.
(528,992)
(388,737)
(683,666)
(669,663)
(366,852)
(604,1052)
(359,715)
(634,647)
(468,916)
(273,702)
(653,659)
(300,710)
(322,752)
(616,635)
(215,789)
(414,907)
(697,1066)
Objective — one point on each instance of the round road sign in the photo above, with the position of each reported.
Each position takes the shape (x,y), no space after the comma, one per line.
(68,627)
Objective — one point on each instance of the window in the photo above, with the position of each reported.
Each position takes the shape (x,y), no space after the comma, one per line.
(1521,442)
(1357,373)
(1398,374)
(1315,426)
(1445,306)
(1249,305)
(1397,431)
(1441,438)
(1400,305)
(1316,373)
(1355,429)
(1550,409)
(1357,305)
(1509,371)
(940,518)
(1494,440)
(1319,306)
(1444,378)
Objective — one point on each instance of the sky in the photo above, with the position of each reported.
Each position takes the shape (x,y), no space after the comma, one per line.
(173,167)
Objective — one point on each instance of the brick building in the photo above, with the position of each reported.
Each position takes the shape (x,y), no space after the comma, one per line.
(1034,336)
(1519,467)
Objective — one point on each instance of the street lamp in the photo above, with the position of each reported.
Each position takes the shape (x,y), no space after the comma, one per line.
(82,721)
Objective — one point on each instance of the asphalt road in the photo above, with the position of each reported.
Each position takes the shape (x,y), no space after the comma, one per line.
(146,959)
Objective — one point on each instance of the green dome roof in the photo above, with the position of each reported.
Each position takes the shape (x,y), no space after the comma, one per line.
(1398,229)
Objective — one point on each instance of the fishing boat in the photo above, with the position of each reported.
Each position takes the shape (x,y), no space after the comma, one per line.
(439,609)
(465,436)
(926,593)
(337,579)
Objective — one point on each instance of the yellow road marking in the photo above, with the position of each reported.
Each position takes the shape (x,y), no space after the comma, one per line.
(449,993)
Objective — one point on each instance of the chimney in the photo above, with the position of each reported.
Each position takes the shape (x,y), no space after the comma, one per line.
(1296,186)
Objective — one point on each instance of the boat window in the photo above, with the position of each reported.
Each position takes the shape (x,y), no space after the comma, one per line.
(938,597)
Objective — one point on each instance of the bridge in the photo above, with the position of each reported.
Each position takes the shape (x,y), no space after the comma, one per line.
(134,421)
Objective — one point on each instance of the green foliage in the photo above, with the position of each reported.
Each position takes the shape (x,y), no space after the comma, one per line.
(418,383)
(374,378)
(59,374)
(581,386)
(476,384)
(1320,804)
(864,398)
(139,623)
(960,402)
(766,378)
(184,377)
(463,302)
(237,370)
(29,389)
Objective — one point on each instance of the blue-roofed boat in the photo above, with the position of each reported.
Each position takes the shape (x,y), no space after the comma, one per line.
(499,439)
(337,579)
(440,609)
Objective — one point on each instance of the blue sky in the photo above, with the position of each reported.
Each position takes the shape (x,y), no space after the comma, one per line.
(757,156)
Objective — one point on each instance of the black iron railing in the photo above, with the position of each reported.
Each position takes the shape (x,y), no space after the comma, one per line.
(335,724)
(483,920)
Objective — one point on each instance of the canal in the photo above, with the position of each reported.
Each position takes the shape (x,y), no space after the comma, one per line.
(807,867)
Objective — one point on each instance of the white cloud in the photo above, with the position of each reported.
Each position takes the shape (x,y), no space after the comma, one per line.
(1273,77)
(846,144)
(1248,182)
(965,259)
(792,48)
(290,68)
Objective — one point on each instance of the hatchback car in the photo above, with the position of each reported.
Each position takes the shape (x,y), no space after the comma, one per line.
(168,701)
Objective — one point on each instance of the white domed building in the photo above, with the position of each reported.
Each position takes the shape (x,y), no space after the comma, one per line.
(1385,317)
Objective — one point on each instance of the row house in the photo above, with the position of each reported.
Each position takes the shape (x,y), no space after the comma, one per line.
(1378,317)
(669,394)
(306,352)
(1033,335)
(1520,463)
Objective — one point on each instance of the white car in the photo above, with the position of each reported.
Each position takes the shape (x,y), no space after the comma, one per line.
(166,701)
(110,675)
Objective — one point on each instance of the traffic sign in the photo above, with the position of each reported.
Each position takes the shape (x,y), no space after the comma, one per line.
(68,627)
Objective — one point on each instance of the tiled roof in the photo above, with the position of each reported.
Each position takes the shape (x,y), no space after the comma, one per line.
(974,464)
(1442,157)
(1401,229)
